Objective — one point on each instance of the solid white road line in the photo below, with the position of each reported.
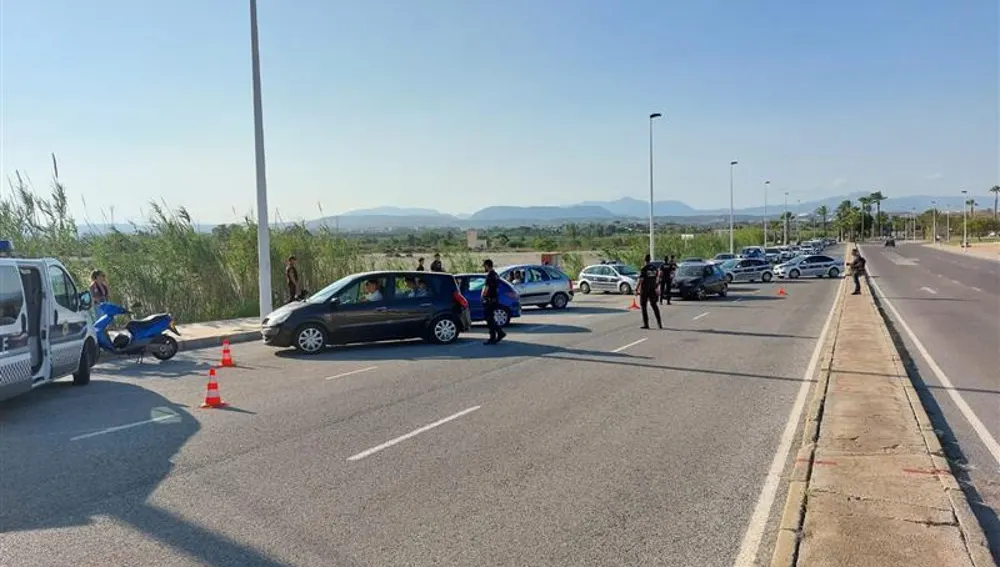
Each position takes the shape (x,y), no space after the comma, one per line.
(631,344)
(164,417)
(977,289)
(984,435)
(351,373)
(413,433)
(928,290)
(696,317)
(762,511)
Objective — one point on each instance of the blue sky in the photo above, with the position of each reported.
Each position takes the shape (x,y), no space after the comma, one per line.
(461,104)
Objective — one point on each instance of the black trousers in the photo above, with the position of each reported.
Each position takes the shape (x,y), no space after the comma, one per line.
(496,332)
(857,281)
(649,300)
(665,291)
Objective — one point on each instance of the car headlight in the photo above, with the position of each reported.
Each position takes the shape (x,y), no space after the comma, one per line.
(275,320)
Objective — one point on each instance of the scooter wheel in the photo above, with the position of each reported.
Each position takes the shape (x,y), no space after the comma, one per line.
(165,349)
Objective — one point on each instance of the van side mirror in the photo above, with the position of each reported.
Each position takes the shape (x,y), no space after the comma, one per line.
(86,300)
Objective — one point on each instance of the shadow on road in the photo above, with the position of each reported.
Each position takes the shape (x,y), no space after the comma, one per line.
(709,371)
(571,310)
(54,476)
(742,333)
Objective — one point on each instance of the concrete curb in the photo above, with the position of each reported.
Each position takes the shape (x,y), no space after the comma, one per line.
(786,547)
(976,543)
(205,342)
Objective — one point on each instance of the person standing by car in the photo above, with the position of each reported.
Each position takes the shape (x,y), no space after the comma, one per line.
(646,290)
(667,278)
(292,279)
(420,265)
(436,265)
(99,290)
(857,270)
(491,301)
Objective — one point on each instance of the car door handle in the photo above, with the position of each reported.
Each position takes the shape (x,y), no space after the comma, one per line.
(427,305)
(381,309)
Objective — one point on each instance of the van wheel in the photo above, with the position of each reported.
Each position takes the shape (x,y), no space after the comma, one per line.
(559,301)
(310,339)
(443,330)
(82,375)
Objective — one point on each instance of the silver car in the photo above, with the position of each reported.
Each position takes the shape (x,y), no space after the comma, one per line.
(747,270)
(618,278)
(816,265)
(540,286)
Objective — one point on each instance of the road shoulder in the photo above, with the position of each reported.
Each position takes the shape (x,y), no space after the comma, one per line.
(870,484)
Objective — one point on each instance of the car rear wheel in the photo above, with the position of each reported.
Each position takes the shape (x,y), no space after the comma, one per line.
(729,278)
(584,288)
(724,291)
(310,339)
(766,277)
(502,316)
(625,289)
(794,274)
(834,272)
(444,330)
(559,301)
(700,294)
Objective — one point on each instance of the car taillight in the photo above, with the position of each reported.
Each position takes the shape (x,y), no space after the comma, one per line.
(460,299)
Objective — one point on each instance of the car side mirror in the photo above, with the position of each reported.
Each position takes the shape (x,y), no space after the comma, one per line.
(86,300)
(334,302)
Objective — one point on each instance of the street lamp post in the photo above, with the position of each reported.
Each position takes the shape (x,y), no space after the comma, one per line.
(798,211)
(947,222)
(784,222)
(965,220)
(767,185)
(263,229)
(652,117)
(732,169)
(934,223)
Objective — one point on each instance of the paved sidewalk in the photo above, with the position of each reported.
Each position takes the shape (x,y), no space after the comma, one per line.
(987,250)
(212,333)
(870,486)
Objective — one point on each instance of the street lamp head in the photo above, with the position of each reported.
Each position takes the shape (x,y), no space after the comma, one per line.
(655,115)
(767,183)
(733,162)
(964,191)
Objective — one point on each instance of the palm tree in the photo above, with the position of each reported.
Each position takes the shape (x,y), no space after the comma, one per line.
(877,197)
(842,216)
(996,200)
(971,203)
(866,203)
(822,212)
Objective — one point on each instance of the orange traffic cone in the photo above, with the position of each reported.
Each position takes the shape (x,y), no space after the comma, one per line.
(781,291)
(227,355)
(634,304)
(212,397)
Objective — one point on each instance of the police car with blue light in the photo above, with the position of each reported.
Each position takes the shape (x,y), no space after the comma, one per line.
(46,331)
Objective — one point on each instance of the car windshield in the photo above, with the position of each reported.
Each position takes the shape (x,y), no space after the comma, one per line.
(626,270)
(324,295)
(795,260)
(691,270)
(729,264)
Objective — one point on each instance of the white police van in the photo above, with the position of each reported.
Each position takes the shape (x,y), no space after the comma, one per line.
(45,324)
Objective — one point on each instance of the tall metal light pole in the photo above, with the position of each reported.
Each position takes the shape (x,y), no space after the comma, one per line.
(263,229)
(784,222)
(652,239)
(732,170)
(947,222)
(767,185)
(965,220)
(798,211)
(913,214)
(934,223)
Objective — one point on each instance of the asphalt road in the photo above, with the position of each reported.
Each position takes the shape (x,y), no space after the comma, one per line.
(951,305)
(581,440)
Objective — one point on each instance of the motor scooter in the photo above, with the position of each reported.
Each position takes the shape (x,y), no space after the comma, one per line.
(140,335)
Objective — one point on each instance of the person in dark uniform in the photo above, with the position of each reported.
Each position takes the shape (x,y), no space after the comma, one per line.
(647,293)
(491,302)
(420,265)
(667,271)
(436,265)
(857,270)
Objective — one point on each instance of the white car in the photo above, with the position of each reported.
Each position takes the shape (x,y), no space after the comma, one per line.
(810,265)
(618,278)
(747,270)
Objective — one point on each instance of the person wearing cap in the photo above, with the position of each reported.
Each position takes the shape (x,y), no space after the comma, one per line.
(491,301)
(436,265)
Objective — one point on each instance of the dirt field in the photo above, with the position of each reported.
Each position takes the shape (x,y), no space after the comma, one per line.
(989,250)
(470,260)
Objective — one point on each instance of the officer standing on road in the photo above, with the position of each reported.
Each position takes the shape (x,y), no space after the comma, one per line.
(436,265)
(491,302)
(857,270)
(667,278)
(647,292)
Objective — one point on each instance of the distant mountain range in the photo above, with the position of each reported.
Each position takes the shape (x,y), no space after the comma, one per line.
(624,209)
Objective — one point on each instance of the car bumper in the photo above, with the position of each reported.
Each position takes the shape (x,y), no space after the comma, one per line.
(276,336)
